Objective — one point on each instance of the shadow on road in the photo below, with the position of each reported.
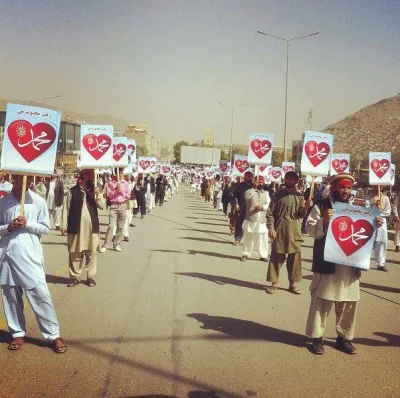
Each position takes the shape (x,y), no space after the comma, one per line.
(249,330)
(191,394)
(5,337)
(203,230)
(392,340)
(209,223)
(213,254)
(223,280)
(59,280)
(226,242)
(55,243)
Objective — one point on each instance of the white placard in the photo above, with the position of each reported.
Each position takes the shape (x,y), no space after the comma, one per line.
(96,146)
(240,165)
(288,166)
(340,163)
(132,150)
(275,174)
(350,235)
(120,151)
(30,140)
(165,169)
(260,148)
(379,168)
(264,170)
(224,166)
(317,150)
(147,164)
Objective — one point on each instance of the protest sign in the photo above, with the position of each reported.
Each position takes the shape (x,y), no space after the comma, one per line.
(209,172)
(317,150)
(392,174)
(224,166)
(275,174)
(165,169)
(30,140)
(147,164)
(287,166)
(340,163)
(379,168)
(240,165)
(264,170)
(96,146)
(350,235)
(120,151)
(132,150)
(260,148)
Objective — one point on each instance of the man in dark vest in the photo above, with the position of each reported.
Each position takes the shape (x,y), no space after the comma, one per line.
(332,283)
(81,221)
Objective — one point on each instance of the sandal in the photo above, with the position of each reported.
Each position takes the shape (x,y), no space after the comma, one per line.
(271,289)
(58,346)
(293,289)
(16,343)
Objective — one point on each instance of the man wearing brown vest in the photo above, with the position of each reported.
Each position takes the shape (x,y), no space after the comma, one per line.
(81,221)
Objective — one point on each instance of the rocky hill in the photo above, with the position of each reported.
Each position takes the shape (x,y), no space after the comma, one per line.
(375,128)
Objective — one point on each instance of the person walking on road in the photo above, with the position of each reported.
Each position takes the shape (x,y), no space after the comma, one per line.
(240,204)
(254,226)
(118,194)
(80,220)
(22,266)
(396,214)
(332,283)
(55,198)
(284,215)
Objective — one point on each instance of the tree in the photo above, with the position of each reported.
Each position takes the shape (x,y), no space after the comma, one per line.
(277,158)
(177,151)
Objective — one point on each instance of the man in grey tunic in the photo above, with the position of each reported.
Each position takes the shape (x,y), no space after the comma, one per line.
(22,265)
(284,215)
(332,283)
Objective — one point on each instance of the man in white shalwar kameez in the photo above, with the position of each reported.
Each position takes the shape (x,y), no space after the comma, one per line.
(255,224)
(332,284)
(382,203)
(22,265)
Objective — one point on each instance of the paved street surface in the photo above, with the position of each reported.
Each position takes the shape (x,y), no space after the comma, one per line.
(175,314)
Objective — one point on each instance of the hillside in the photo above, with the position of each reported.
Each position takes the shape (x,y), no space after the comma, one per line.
(375,128)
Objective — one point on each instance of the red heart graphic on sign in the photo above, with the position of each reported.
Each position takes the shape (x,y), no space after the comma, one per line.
(119,151)
(260,148)
(144,164)
(241,165)
(263,167)
(351,235)
(276,174)
(31,141)
(209,173)
(380,167)
(340,165)
(287,168)
(223,167)
(97,146)
(317,153)
(132,148)
(166,169)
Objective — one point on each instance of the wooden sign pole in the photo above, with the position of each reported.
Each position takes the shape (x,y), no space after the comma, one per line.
(21,209)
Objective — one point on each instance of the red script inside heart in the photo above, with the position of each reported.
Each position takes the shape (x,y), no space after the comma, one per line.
(317,153)
(31,141)
(97,146)
(119,151)
(380,167)
(241,165)
(260,148)
(340,165)
(351,235)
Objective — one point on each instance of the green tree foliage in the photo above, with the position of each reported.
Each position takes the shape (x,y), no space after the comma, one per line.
(177,151)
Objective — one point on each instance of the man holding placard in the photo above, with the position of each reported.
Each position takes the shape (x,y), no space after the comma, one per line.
(22,265)
(335,283)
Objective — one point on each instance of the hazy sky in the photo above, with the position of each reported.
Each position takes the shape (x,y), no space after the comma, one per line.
(167,63)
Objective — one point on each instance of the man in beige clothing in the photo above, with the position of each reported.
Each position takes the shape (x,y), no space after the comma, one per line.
(81,221)
(332,283)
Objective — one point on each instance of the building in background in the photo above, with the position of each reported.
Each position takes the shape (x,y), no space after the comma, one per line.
(297,150)
(147,144)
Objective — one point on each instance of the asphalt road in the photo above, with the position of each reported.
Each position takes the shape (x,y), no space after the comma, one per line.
(176,314)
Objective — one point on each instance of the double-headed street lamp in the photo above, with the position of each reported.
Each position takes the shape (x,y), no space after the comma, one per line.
(232,108)
(287,72)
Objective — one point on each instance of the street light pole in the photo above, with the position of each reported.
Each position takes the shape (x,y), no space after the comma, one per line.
(232,108)
(287,74)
